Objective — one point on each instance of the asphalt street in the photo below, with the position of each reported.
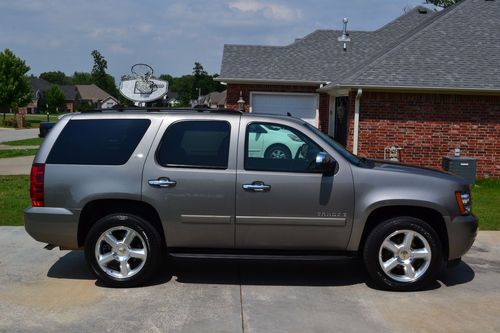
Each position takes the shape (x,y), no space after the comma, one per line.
(42,291)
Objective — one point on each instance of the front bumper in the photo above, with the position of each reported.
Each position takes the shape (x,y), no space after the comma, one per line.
(462,231)
(52,225)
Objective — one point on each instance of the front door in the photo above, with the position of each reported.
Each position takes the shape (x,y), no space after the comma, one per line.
(190,180)
(341,119)
(281,202)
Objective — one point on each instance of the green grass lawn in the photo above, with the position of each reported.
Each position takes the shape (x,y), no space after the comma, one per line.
(38,118)
(486,203)
(25,142)
(14,197)
(17,152)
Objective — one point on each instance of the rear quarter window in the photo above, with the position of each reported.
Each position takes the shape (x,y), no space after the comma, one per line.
(98,141)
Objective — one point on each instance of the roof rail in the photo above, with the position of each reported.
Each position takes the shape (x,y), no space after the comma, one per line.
(160,109)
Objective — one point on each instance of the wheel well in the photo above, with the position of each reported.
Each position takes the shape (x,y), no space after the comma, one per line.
(94,210)
(429,215)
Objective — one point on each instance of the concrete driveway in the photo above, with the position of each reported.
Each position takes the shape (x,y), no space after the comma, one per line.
(21,134)
(53,291)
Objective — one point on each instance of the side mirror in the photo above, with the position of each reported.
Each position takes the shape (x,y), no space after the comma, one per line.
(325,163)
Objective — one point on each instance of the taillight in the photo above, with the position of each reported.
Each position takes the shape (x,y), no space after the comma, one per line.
(37,184)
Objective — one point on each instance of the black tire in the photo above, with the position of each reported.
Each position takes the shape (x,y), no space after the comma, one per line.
(278,147)
(373,245)
(152,242)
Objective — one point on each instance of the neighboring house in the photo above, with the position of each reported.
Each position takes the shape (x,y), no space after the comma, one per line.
(171,99)
(216,100)
(39,86)
(200,101)
(109,102)
(92,94)
(427,82)
(70,97)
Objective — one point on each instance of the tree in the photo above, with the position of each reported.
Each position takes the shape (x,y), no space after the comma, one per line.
(99,76)
(99,69)
(56,77)
(82,78)
(55,99)
(442,3)
(15,90)
(186,85)
(198,70)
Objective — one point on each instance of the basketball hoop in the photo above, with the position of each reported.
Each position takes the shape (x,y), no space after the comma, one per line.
(141,86)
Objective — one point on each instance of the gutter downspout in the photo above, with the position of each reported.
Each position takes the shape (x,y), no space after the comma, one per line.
(356,122)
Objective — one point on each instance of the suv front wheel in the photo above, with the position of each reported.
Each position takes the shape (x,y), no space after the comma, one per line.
(123,250)
(403,253)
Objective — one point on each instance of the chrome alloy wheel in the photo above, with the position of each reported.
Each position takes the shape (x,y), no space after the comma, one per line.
(278,154)
(121,252)
(405,255)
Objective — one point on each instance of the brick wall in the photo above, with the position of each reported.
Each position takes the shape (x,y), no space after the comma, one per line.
(429,126)
(233,94)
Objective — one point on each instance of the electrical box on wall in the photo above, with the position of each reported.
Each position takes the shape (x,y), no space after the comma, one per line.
(464,167)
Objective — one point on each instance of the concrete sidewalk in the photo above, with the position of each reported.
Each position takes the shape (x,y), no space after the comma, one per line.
(7,134)
(16,165)
(54,291)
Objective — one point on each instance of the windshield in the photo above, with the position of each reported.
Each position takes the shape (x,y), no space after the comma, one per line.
(335,145)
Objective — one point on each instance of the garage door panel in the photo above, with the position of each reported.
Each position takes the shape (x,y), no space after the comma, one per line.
(300,106)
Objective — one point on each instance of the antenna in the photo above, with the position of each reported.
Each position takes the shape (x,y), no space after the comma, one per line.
(141,86)
(345,35)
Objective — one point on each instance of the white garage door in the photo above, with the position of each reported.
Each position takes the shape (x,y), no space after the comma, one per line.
(299,105)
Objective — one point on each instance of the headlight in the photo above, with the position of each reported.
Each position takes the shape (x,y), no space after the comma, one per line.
(464,202)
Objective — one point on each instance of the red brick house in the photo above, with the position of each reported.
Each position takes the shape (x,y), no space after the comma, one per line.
(427,83)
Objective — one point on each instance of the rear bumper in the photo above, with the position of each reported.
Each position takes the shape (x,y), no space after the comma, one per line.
(52,225)
(462,231)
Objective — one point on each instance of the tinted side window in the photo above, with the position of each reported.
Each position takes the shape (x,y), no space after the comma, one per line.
(98,142)
(196,144)
(276,147)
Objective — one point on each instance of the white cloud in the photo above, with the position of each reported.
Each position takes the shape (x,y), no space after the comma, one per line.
(111,33)
(119,48)
(269,10)
(145,28)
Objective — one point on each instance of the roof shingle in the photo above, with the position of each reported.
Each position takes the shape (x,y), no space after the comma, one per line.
(318,57)
(458,47)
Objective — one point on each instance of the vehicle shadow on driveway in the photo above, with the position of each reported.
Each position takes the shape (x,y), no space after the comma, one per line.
(341,272)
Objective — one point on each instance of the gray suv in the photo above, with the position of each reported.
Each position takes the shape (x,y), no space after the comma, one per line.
(133,186)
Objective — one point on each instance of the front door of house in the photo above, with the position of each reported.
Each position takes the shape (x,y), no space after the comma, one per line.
(341,117)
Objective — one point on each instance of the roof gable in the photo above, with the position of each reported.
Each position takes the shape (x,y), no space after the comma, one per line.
(91,92)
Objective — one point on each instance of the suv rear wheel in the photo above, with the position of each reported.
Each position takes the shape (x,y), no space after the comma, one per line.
(403,253)
(123,250)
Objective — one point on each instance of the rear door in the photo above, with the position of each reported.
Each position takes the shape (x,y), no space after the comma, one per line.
(281,202)
(190,178)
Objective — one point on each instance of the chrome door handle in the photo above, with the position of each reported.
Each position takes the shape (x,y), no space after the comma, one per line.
(162,182)
(257,187)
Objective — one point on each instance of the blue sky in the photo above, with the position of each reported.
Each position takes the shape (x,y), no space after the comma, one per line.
(170,35)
